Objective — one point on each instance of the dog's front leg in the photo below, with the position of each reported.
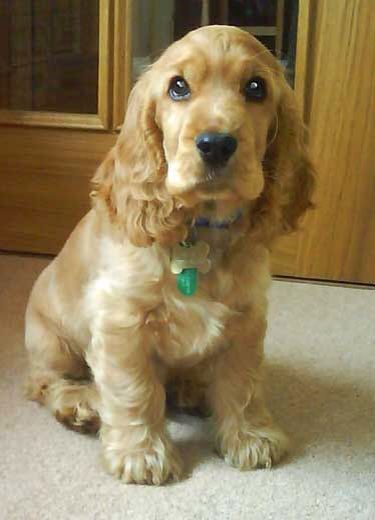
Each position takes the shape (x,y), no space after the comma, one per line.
(136,447)
(246,435)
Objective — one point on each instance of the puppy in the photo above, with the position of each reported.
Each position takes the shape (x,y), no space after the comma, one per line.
(163,283)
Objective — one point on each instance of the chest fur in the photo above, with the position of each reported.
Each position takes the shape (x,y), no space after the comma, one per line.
(185,329)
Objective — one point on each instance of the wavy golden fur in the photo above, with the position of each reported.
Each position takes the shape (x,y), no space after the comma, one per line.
(108,332)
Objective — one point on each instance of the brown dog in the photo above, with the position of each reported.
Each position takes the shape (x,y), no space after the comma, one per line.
(210,167)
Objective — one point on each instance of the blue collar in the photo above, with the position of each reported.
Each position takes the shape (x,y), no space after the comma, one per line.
(204,222)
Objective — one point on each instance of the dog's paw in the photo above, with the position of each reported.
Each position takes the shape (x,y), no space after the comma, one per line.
(73,404)
(255,448)
(80,418)
(157,464)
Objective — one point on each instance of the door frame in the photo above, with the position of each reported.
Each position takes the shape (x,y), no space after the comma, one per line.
(114,77)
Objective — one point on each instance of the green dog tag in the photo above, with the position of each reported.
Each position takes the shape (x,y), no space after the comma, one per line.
(187,281)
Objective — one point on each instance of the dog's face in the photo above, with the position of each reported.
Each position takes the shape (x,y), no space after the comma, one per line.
(215,105)
(212,118)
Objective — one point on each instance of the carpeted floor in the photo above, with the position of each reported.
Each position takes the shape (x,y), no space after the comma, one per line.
(321,387)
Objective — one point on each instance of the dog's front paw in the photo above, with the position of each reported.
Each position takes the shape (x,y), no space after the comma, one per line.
(253,448)
(156,464)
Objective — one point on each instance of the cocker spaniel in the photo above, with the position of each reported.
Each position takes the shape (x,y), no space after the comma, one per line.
(161,288)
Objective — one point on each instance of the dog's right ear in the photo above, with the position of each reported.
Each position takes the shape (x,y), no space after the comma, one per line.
(131,180)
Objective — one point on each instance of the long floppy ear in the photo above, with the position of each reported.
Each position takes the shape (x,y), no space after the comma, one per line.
(289,172)
(131,180)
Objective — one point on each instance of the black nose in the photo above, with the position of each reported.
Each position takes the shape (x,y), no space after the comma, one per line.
(216,148)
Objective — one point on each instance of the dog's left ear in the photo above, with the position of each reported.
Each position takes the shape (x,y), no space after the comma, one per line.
(289,172)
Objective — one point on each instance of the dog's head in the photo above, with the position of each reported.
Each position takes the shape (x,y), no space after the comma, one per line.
(212,118)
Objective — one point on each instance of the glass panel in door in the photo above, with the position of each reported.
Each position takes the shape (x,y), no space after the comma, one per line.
(49,55)
(159,22)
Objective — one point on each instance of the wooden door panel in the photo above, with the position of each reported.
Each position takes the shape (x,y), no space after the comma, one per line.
(45,186)
(338,239)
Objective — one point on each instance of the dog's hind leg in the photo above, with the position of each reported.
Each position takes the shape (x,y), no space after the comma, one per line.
(59,378)
(74,404)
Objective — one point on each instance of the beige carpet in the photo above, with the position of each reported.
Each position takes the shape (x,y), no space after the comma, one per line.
(321,386)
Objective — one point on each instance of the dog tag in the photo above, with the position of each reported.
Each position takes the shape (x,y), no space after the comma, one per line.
(187,281)
(187,255)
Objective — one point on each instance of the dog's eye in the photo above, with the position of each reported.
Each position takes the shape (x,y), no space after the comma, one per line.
(255,89)
(178,89)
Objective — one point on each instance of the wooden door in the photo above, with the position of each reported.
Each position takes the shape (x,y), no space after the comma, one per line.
(64,78)
(47,157)
(335,78)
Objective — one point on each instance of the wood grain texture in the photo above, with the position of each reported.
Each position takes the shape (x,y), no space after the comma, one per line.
(302,50)
(105,79)
(50,119)
(44,184)
(338,242)
(122,69)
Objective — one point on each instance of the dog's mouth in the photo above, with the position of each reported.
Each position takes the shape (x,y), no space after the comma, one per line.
(214,176)
(212,183)
(216,183)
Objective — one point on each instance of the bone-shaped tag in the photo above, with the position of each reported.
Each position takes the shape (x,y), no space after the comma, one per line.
(191,256)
